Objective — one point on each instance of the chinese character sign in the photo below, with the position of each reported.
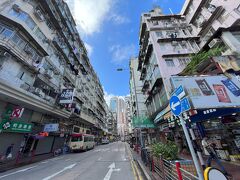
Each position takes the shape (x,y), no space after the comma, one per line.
(221,93)
(66,96)
(15,126)
(205,88)
(232,87)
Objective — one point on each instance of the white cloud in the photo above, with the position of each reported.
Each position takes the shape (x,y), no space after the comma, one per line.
(108,96)
(90,14)
(89,48)
(119,19)
(122,53)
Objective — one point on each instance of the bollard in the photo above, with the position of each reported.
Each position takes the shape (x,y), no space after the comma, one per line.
(178,170)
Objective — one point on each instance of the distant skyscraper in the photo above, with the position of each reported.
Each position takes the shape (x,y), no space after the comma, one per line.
(113,104)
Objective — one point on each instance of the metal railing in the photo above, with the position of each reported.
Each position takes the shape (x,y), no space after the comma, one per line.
(169,170)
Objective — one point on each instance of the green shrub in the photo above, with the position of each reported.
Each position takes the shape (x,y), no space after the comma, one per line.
(168,151)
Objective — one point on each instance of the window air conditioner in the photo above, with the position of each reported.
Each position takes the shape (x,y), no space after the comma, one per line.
(24,86)
(174,43)
(16,8)
(215,42)
(39,15)
(27,50)
(6,54)
(37,91)
(49,73)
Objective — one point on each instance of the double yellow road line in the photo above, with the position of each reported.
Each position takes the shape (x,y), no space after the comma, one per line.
(134,166)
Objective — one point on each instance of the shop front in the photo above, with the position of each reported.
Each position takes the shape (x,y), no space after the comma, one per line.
(222,126)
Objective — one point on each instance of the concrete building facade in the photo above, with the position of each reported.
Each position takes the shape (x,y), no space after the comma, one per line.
(43,61)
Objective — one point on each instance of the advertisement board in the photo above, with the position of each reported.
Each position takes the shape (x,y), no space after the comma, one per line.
(66,96)
(51,127)
(210,91)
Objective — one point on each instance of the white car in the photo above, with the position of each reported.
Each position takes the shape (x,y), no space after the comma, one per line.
(105,141)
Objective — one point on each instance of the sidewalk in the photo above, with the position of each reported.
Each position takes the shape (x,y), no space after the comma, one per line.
(232,168)
(11,164)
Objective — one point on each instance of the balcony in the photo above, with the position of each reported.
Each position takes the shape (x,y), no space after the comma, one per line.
(68,74)
(18,52)
(87,118)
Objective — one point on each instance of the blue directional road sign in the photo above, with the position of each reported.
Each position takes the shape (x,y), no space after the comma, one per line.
(179,92)
(175,105)
(185,105)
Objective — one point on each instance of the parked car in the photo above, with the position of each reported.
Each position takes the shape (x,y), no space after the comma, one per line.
(105,140)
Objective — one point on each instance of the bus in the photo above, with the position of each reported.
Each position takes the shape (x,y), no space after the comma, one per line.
(81,142)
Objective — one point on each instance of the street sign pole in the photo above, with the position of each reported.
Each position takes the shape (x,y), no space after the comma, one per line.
(190,145)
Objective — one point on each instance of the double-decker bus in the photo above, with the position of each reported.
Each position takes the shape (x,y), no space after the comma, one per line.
(81,142)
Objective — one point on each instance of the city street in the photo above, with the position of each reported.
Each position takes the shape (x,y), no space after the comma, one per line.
(105,162)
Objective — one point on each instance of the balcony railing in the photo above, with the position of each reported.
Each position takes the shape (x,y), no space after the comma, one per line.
(20,53)
(87,117)
(70,76)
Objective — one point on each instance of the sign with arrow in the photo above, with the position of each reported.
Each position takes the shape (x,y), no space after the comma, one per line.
(110,171)
(177,104)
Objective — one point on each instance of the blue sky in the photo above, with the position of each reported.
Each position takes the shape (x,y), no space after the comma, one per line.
(110,31)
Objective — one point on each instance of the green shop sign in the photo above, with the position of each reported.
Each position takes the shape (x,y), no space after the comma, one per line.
(142,122)
(13,126)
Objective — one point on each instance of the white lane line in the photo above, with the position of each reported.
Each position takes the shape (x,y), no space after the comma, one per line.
(67,159)
(55,174)
(54,159)
(43,162)
(19,171)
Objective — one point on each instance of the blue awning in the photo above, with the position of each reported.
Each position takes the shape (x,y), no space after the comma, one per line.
(207,114)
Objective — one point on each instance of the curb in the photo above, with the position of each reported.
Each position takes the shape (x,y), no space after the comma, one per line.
(144,170)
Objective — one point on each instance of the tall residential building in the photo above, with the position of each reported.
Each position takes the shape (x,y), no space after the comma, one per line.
(165,45)
(138,107)
(46,80)
(113,104)
(215,22)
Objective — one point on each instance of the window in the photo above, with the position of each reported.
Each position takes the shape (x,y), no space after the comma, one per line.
(155,23)
(169,62)
(39,34)
(23,16)
(6,32)
(184,61)
(15,39)
(85,139)
(30,23)
(76,139)
(159,33)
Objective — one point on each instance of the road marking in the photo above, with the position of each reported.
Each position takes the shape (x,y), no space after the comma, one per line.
(134,171)
(19,171)
(138,173)
(43,162)
(68,159)
(54,159)
(110,171)
(64,169)
(99,158)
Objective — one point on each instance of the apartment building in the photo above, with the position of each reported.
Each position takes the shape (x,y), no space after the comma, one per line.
(138,107)
(165,43)
(46,80)
(215,22)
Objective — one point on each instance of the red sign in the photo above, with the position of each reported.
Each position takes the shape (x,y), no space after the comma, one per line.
(221,93)
(17,112)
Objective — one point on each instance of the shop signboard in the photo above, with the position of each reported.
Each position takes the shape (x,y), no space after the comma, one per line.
(17,112)
(51,127)
(66,96)
(142,122)
(15,126)
(210,91)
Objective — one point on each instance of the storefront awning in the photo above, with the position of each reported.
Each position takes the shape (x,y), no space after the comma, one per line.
(160,115)
(207,114)
(142,122)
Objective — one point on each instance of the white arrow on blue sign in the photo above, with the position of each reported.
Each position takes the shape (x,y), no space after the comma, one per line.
(179,92)
(175,105)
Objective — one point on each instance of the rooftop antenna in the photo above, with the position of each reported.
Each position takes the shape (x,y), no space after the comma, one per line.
(171,11)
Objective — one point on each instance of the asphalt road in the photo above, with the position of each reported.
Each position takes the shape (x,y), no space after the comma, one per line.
(106,162)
